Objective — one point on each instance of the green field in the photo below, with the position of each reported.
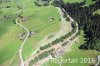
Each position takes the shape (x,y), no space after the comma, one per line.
(8,32)
(38,20)
(89,2)
(72,1)
(16,61)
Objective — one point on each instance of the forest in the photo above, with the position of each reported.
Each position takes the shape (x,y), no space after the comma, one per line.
(89,22)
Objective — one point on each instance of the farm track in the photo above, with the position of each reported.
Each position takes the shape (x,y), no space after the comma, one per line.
(21,47)
(20,50)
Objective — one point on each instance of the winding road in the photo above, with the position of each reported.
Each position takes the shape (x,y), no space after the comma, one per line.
(20,49)
(98,63)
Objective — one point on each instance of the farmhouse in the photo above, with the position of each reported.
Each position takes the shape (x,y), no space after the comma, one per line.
(59,52)
(22,36)
(42,2)
(31,33)
(24,19)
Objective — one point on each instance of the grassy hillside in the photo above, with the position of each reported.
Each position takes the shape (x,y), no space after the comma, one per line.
(39,17)
(8,32)
(89,2)
(72,1)
(38,20)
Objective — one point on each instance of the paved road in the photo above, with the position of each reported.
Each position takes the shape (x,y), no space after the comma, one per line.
(98,63)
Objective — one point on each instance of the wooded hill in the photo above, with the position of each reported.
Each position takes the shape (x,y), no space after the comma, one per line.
(89,22)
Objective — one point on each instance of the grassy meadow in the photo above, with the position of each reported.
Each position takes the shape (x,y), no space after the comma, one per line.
(89,2)
(38,20)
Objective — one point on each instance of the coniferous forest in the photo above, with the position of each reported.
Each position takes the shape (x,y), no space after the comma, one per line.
(88,21)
